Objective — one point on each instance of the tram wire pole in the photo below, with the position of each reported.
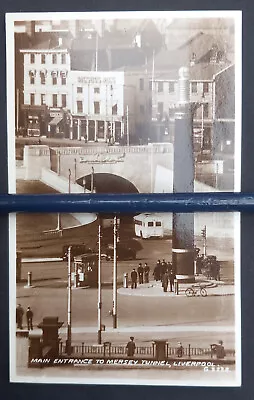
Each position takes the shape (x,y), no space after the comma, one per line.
(69,305)
(99,282)
(115,275)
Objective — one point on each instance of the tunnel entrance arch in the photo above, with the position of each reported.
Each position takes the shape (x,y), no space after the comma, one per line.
(107,183)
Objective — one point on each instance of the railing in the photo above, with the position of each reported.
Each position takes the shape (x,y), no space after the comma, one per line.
(145,149)
(108,350)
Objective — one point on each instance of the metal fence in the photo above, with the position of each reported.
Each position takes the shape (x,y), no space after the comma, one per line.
(115,351)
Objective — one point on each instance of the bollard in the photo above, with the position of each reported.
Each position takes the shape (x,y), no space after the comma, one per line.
(125,280)
(176,286)
(29,280)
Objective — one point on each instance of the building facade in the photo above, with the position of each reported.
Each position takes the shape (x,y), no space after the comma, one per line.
(46,92)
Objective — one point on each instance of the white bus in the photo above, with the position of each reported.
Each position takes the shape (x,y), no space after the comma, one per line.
(153,225)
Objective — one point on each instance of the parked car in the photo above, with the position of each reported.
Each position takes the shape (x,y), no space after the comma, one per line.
(123,252)
(76,250)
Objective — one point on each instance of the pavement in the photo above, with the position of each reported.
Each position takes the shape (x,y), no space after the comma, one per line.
(154,289)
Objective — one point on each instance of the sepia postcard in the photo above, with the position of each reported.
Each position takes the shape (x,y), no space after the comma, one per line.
(125,102)
(134,299)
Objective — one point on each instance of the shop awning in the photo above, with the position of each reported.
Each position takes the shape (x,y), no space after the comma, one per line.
(56,120)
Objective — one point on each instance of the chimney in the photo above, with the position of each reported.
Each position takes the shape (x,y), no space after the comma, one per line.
(193,59)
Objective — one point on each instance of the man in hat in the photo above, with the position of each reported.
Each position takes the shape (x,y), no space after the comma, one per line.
(29,318)
(179,350)
(134,277)
(140,274)
(146,272)
(131,347)
(19,316)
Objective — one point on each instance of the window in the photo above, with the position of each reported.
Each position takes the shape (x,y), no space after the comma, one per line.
(43,78)
(54,79)
(141,84)
(32,99)
(54,58)
(96,105)
(114,109)
(43,59)
(80,106)
(150,224)
(43,99)
(160,108)
(137,222)
(160,87)
(171,87)
(32,58)
(63,79)
(194,87)
(64,100)
(142,109)
(31,79)
(54,100)
(157,223)
(205,87)
(79,89)
(206,110)
(63,58)
(96,90)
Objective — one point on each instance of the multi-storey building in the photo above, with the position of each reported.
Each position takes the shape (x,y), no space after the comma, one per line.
(46,72)
(165,102)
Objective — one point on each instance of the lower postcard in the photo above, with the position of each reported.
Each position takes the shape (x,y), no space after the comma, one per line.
(130,299)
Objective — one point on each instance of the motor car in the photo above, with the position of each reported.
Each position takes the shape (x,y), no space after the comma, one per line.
(123,252)
(76,250)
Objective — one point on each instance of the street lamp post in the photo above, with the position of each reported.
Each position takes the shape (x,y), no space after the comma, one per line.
(75,169)
(69,181)
(92,180)
(127,126)
(115,275)
(69,304)
(99,283)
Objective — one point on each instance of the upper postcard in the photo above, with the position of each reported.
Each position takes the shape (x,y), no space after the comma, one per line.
(124,102)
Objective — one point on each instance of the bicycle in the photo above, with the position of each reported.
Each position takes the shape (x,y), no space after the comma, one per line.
(195,290)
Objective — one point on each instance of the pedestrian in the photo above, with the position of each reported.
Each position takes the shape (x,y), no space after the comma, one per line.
(157,271)
(29,318)
(163,268)
(134,278)
(146,272)
(179,350)
(19,316)
(140,273)
(131,347)
(165,282)
(217,270)
(171,279)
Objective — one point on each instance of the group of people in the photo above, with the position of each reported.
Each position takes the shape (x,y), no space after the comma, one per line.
(163,271)
(140,276)
(19,317)
(208,266)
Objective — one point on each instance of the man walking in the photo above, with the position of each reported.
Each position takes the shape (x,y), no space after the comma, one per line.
(29,318)
(146,272)
(171,279)
(140,274)
(19,316)
(131,347)
(134,278)
(165,282)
